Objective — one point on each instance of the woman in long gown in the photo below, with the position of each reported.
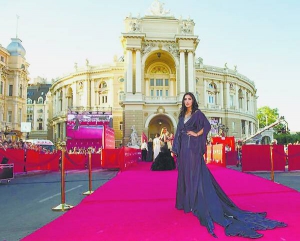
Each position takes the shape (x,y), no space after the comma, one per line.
(156,146)
(197,189)
(150,151)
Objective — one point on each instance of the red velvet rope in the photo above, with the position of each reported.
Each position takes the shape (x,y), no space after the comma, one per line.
(50,159)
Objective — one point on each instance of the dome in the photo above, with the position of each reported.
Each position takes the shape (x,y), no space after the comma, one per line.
(15,48)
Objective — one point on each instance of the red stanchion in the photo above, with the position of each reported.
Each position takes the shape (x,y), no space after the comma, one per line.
(90,175)
(63,206)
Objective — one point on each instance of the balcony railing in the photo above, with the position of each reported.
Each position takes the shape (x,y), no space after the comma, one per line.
(213,107)
(160,99)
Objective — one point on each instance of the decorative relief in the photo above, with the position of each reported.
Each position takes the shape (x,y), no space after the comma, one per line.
(173,49)
(159,70)
(135,26)
(146,114)
(186,26)
(146,47)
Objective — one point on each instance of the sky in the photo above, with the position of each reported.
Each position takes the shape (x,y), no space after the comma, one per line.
(261,37)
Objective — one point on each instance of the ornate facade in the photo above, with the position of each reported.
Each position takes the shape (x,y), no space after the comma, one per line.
(13,87)
(38,109)
(145,87)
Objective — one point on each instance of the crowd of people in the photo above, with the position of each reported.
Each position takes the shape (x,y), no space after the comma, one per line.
(83,150)
(159,150)
(24,145)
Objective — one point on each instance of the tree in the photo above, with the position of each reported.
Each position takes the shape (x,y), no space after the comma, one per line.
(266,116)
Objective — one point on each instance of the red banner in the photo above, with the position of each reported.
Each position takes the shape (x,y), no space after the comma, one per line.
(294,157)
(258,158)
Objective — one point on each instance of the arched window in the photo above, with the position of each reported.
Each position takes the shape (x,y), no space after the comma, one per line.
(40,100)
(29,101)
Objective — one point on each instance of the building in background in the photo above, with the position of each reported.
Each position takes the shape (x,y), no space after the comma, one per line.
(13,88)
(144,88)
(38,109)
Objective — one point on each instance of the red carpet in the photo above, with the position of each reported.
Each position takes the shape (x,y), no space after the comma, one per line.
(139,205)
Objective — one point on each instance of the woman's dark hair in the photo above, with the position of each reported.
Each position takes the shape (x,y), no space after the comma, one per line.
(183,109)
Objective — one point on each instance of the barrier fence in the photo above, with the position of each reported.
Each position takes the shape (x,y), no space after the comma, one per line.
(32,160)
(254,158)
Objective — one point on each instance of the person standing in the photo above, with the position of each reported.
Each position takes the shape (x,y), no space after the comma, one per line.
(197,190)
(144,148)
(156,146)
(150,151)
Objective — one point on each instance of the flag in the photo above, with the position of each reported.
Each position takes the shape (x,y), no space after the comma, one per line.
(144,137)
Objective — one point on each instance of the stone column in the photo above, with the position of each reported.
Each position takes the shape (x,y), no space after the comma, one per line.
(129,71)
(16,84)
(147,87)
(191,71)
(138,75)
(182,72)
(227,95)
(237,97)
(221,95)
(245,101)
(93,103)
(205,93)
(74,92)
(171,92)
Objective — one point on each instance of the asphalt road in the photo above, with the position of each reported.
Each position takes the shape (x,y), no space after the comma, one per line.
(290,179)
(26,202)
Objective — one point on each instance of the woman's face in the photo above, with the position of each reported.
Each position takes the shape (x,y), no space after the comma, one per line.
(188,101)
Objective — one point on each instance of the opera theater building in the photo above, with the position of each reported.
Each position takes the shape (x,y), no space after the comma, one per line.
(144,88)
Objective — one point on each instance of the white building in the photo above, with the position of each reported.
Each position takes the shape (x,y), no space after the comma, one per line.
(145,87)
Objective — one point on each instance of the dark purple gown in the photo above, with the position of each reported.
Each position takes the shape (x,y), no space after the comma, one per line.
(198,191)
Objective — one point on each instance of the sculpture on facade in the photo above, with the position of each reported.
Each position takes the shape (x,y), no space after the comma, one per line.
(157,9)
(135,26)
(134,139)
(186,27)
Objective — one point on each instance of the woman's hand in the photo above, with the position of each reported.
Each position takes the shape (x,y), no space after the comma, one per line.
(191,133)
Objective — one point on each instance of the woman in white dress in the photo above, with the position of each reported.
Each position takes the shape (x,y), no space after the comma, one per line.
(156,146)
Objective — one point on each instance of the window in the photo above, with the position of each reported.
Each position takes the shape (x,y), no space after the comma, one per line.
(243,127)
(233,126)
(121,125)
(2,59)
(167,93)
(212,86)
(166,82)
(9,116)
(10,90)
(103,85)
(159,82)
(121,80)
(29,101)
(231,101)
(104,99)
(151,82)
(121,94)
(211,99)
(40,126)
(20,115)
(152,92)
(29,118)
(1,87)
(40,100)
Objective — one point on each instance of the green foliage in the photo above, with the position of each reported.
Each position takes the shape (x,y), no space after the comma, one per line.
(286,138)
(266,116)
